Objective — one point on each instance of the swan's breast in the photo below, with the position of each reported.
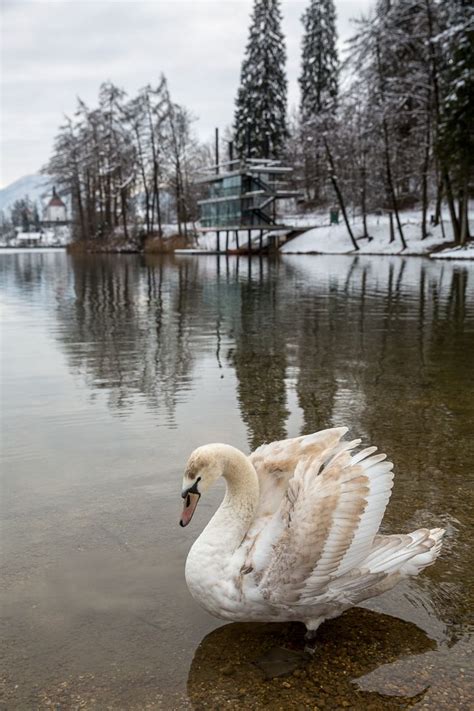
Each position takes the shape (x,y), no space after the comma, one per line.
(210,579)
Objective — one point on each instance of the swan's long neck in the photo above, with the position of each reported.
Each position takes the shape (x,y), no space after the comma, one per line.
(231,521)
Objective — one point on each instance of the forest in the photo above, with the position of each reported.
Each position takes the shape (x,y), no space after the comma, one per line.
(384,125)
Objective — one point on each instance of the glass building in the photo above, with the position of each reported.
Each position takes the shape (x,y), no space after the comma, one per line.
(244,197)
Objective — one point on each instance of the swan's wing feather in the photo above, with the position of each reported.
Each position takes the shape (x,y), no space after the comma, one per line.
(275,464)
(401,554)
(325,524)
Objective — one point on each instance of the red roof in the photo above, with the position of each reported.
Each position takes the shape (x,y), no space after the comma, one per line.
(56,202)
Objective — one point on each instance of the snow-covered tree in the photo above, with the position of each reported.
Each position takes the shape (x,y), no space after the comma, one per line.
(456,136)
(260,114)
(319,61)
(147,115)
(319,89)
(400,131)
(182,157)
(117,160)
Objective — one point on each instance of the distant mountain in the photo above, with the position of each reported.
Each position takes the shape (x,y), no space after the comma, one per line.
(37,187)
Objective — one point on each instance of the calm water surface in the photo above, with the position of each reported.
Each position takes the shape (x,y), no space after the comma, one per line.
(116,367)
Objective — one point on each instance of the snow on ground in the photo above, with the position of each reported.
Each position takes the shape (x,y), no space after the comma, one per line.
(334,239)
(52,237)
(207,240)
(308,219)
(322,238)
(29,236)
(466,252)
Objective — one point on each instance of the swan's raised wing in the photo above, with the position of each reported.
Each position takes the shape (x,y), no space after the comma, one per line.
(276,463)
(325,522)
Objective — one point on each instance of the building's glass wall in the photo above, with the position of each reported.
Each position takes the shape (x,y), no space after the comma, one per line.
(236,210)
(226,187)
(226,213)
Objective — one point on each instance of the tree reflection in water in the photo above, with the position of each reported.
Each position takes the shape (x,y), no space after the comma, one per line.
(127,328)
(259,357)
(362,334)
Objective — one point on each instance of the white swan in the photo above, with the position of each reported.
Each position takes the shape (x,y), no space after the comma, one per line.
(295,537)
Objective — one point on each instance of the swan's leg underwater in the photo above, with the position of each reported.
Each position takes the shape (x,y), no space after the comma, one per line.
(312,627)
(310,639)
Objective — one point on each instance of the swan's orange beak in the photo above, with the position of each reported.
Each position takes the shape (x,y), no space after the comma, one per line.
(190,502)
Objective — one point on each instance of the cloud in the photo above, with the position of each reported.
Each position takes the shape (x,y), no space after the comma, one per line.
(56,50)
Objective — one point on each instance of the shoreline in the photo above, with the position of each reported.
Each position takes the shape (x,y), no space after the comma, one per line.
(465,254)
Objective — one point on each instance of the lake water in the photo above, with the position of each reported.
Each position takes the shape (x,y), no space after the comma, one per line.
(115,367)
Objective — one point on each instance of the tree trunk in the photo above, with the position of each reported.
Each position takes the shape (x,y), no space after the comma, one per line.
(391,188)
(123,203)
(80,209)
(124,213)
(439,202)
(156,187)
(464,230)
(392,231)
(388,167)
(452,207)
(141,162)
(424,177)
(441,222)
(156,197)
(363,198)
(178,208)
(108,204)
(339,194)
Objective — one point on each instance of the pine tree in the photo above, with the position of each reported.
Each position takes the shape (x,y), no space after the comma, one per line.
(320,65)
(25,219)
(260,115)
(36,218)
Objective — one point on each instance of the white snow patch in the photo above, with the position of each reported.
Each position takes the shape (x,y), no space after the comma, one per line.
(29,236)
(207,241)
(334,239)
(58,236)
(466,252)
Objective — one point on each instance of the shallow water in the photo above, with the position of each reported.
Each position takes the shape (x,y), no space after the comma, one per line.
(115,367)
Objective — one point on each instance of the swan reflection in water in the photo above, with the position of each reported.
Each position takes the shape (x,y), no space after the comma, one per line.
(364,660)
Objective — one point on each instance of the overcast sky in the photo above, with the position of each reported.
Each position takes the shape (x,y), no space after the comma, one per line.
(55,50)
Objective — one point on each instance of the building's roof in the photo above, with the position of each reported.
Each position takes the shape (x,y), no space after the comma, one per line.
(249,166)
(55,200)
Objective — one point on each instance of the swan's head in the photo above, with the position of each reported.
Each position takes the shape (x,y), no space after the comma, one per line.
(204,467)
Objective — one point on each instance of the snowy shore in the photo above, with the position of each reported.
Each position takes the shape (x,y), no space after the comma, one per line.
(318,237)
(466,252)
(322,238)
(334,239)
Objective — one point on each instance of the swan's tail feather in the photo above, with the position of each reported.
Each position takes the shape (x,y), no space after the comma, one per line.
(405,554)
(423,559)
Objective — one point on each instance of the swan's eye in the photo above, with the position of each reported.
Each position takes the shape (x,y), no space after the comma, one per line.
(191,490)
